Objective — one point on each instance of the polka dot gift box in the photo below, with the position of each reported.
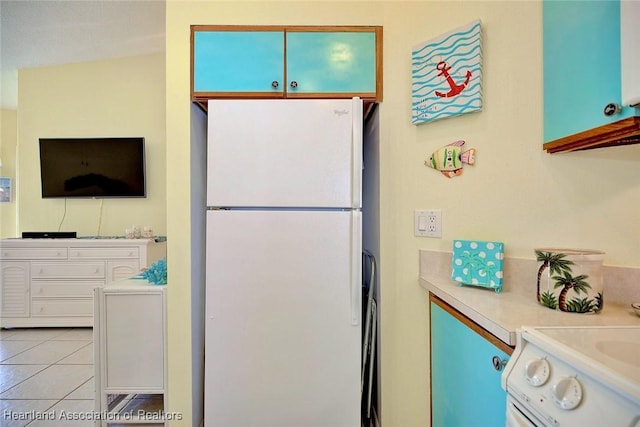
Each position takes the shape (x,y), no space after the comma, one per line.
(478,263)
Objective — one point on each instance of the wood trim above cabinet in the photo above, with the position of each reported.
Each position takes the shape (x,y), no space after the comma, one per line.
(211,27)
(622,132)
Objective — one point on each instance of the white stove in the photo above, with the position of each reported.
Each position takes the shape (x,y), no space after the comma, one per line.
(574,376)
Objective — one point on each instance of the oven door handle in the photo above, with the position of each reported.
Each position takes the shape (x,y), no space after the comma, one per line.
(516,419)
(519,417)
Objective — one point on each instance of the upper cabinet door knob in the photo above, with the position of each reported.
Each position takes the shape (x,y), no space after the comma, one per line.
(275,84)
(611,109)
(294,84)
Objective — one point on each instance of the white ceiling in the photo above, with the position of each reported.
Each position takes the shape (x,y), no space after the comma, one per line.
(54,32)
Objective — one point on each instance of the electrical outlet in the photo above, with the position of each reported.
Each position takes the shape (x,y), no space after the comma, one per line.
(428,223)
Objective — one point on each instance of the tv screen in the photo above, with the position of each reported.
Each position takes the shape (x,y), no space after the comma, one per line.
(92,167)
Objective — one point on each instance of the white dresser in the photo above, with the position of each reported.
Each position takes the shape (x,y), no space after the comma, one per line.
(130,353)
(50,282)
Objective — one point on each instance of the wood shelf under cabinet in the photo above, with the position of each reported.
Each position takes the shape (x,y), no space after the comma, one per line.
(622,132)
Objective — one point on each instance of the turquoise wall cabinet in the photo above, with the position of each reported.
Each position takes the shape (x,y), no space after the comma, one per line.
(249,62)
(291,62)
(465,384)
(582,77)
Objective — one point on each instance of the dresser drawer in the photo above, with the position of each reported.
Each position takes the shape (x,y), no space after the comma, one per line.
(122,269)
(67,270)
(50,288)
(65,308)
(104,253)
(33,253)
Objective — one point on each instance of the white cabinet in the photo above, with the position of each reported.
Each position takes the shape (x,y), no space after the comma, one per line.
(130,349)
(49,282)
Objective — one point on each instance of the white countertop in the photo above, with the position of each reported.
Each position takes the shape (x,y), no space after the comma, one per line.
(502,313)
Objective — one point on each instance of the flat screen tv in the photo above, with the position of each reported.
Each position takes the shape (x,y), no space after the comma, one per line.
(92,167)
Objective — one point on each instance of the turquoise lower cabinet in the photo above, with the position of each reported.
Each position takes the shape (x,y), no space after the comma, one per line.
(238,61)
(465,385)
(331,62)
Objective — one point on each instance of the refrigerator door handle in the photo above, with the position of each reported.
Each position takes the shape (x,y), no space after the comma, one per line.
(356,267)
(356,155)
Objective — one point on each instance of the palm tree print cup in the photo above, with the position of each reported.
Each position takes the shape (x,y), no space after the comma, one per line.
(570,279)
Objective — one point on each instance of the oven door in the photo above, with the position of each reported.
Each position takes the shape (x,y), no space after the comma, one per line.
(519,416)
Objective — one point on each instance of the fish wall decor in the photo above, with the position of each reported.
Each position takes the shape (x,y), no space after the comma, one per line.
(450,159)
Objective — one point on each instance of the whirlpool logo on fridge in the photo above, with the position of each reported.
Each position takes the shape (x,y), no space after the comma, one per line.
(340,112)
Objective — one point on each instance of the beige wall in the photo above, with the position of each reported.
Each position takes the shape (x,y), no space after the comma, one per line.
(516,193)
(8,142)
(120,97)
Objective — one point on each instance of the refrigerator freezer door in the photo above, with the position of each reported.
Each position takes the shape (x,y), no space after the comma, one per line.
(281,346)
(284,153)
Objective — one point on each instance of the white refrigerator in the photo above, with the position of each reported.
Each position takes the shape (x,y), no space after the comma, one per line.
(284,260)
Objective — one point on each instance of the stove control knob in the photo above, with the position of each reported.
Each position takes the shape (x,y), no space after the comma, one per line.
(537,371)
(567,393)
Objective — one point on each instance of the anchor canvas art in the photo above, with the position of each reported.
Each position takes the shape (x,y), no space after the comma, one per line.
(447,75)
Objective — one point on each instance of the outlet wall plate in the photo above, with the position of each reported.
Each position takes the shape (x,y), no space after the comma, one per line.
(427,223)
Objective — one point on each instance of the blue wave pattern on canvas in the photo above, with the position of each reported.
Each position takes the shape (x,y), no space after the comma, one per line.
(447,75)
(459,60)
(455,48)
(448,45)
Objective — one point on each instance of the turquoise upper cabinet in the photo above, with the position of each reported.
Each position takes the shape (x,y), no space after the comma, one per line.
(285,61)
(238,61)
(332,62)
(582,76)
(465,384)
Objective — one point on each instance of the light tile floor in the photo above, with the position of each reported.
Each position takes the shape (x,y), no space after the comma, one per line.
(46,377)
